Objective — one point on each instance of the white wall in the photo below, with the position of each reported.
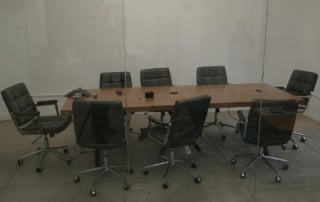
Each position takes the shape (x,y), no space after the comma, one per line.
(293,43)
(55,46)
(185,34)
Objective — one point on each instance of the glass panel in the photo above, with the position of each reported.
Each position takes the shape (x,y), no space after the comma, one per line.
(57,46)
(184,35)
(292,44)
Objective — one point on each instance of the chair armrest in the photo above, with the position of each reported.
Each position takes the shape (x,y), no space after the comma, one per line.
(25,114)
(49,102)
(157,121)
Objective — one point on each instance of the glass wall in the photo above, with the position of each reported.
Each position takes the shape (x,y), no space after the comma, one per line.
(56,46)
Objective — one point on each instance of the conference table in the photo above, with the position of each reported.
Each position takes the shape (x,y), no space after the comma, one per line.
(222,96)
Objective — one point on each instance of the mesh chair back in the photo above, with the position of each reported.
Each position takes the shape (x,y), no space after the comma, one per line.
(115,80)
(187,120)
(99,124)
(211,75)
(155,77)
(273,119)
(302,82)
(19,101)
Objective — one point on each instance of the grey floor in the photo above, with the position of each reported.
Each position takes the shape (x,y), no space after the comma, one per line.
(220,179)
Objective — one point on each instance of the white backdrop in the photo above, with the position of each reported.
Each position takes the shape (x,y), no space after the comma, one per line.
(55,46)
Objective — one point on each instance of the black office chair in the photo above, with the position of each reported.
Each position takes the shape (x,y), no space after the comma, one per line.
(155,77)
(183,130)
(115,80)
(28,121)
(159,76)
(269,122)
(213,75)
(100,125)
(301,83)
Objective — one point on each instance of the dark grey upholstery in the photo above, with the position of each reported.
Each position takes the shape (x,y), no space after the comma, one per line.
(277,122)
(115,80)
(28,120)
(302,83)
(155,77)
(100,125)
(269,122)
(183,130)
(211,75)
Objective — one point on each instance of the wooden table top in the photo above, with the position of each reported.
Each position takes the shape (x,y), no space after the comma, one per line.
(224,96)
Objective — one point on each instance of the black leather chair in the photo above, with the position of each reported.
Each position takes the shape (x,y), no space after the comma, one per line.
(115,80)
(301,83)
(159,76)
(29,121)
(208,75)
(183,130)
(155,77)
(269,122)
(213,75)
(100,125)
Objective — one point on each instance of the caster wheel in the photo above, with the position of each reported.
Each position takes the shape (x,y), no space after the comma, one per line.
(193,165)
(130,171)
(38,170)
(242,175)
(66,151)
(197,180)
(283,147)
(146,172)
(303,139)
(165,186)
(223,137)
(76,179)
(68,161)
(93,192)
(278,179)
(233,161)
(294,147)
(20,162)
(126,187)
(285,166)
